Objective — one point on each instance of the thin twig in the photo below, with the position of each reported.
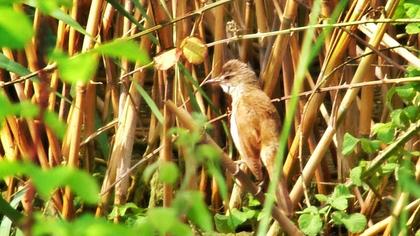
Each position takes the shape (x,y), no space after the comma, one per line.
(142,161)
(297,29)
(350,86)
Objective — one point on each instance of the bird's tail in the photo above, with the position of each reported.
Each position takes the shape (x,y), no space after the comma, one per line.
(283,197)
(268,154)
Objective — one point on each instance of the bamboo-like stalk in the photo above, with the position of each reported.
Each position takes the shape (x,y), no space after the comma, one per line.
(349,97)
(165,42)
(381,225)
(245,46)
(337,51)
(270,74)
(366,110)
(78,106)
(218,60)
(122,149)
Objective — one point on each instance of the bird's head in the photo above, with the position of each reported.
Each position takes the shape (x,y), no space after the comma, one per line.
(235,75)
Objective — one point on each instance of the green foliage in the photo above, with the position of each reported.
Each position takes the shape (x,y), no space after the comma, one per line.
(12,66)
(407,180)
(15,28)
(86,225)
(53,122)
(228,223)
(386,134)
(168,172)
(78,68)
(28,110)
(192,203)
(409,9)
(335,206)
(149,101)
(310,221)
(46,181)
(349,144)
(186,202)
(355,223)
(82,67)
(122,48)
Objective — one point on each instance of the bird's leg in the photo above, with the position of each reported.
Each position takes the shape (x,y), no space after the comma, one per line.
(238,167)
(237,193)
(261,184)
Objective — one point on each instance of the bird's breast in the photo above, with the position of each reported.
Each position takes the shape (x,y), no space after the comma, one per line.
(234,129)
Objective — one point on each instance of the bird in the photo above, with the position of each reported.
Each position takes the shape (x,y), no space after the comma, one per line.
(254,123)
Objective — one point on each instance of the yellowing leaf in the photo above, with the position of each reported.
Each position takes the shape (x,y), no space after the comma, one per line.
(194,50)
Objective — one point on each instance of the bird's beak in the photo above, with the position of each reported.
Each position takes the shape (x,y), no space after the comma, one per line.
(215,80)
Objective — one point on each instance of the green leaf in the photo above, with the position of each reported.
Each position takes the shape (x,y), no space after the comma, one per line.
(321,197)
(399,11)
(388,168)
(87,225)
(310,224)
(6,108)
(192,202)
(339,197)
(180,229)
(339,203)
(53,122)
(229,223)
(399,118)
(121,210)
(162,219)
(406,92)
(144,227)
(384,132)
(356,176)
(311,210)
(413,71)
(337,217)
(61,16)
(46,181)
(212,161)
(412,113)
(407,179)
(342,190)
(58,14)
(168,172)
(12,66)
(370,146)
(127,49)
(148,172)
(27,110)
(9,212)
(78,68)
(355,223)
(80,182)
(349,144)
(151,103)
(412,10)
(47,6)
(15,28)
(412,28)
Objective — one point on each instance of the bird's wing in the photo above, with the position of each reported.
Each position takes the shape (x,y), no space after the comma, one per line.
(258,127)
(248,130)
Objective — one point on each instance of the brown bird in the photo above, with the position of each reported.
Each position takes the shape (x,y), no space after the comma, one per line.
(254,123)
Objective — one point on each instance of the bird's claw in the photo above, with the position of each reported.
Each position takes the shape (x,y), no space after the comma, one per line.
(238,167)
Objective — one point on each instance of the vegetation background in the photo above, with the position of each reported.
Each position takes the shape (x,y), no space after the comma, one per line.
(109,93)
